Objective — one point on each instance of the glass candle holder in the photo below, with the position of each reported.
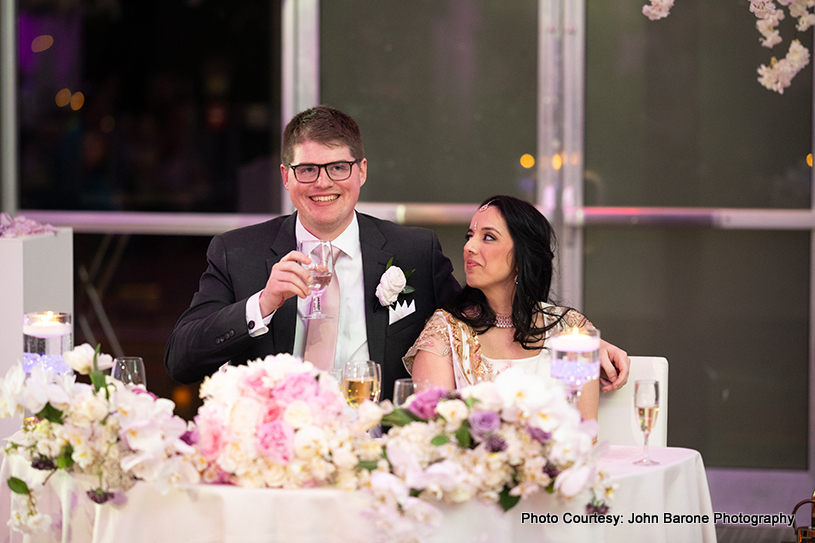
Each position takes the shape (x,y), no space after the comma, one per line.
(575,359)
(46,336)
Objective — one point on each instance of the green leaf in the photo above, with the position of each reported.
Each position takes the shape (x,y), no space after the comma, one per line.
(18,486)
(64,460)
(399,417)
(50,413)
(469,402)
(506,501)
(408,273)
(408,290)
(369,465)
(463,435)
(389,264)
(98,379)
(439,440)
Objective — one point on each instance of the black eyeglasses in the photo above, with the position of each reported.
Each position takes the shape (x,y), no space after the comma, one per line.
(336,171)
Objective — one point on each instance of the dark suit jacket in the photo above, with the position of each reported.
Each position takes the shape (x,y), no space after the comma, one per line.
(213,330)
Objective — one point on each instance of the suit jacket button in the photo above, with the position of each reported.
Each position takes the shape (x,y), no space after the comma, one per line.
(231,333)
(217,340)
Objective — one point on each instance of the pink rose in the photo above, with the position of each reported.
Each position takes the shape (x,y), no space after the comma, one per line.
(300,386)
(252,380)
(272,411)
(326,406)
(276,441)
(211,437)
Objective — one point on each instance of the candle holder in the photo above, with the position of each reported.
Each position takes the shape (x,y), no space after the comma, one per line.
(575,359)
(46,336)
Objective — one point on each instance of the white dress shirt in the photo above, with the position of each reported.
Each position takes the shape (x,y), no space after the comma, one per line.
(352,338)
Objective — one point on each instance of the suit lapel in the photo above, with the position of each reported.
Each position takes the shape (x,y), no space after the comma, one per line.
(374,260)
(284,317)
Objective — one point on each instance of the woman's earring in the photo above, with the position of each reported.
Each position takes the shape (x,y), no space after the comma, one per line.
(516,278)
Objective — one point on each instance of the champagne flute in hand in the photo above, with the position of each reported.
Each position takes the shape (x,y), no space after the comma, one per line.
(361,381)
(646,403)
(321,271)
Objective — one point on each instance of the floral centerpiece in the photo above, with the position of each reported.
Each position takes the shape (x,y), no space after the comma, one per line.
(104,430)
(278,422)
(497,441)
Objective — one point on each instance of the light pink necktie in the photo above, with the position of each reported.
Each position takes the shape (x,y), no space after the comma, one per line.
(321,336)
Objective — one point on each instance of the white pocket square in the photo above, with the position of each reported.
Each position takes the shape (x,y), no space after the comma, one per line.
(402,310)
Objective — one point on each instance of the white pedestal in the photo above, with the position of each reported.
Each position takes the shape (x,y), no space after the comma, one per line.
(36,274)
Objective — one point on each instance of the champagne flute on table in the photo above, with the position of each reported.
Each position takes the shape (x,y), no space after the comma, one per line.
(361,381)
(321,271)
(646,404)
(130,371)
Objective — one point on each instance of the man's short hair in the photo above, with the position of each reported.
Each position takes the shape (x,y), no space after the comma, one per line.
(325,125)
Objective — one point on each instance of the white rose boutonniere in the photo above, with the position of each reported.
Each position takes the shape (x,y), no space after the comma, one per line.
(392,284)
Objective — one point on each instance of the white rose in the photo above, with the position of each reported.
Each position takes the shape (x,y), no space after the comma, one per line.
(454,412)
(392,283)
(310,442)
(298,414)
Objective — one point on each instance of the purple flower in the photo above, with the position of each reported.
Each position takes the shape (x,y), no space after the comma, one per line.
(495,444)
(539,435)
(600,509)
(424,404)
(43,463)
(483,423)
(190,437)
(551,470)
(100,496)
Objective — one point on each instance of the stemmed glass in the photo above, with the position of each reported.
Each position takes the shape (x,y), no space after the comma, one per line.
(646,403)
(575,359)
(361,381)
(130,371)
(321,270)
(402,390)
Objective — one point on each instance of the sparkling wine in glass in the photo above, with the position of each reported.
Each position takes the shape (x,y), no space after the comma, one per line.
(361,381)
(130,371)
(646,404)
(575,359)
(321,271)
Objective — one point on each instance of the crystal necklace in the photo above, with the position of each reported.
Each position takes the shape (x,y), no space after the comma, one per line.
(503,320)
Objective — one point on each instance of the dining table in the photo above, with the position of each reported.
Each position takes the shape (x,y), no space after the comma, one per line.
(667,502)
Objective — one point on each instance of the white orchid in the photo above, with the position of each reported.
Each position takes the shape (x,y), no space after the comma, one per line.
(81,359)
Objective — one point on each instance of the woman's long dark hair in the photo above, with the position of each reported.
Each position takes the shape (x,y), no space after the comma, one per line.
(534,251)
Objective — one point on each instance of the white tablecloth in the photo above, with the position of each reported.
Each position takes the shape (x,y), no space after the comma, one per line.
(216,513)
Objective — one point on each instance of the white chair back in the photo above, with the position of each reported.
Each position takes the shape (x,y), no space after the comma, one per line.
(616,417)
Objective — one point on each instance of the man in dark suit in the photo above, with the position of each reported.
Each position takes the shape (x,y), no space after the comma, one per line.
(249,298)
(247,303)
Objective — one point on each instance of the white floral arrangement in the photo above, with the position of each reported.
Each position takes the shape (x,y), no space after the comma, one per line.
(497,441)
(105,430)
(280,423)
(778,75)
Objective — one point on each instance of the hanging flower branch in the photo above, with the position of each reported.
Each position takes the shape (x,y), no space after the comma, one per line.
(778,75)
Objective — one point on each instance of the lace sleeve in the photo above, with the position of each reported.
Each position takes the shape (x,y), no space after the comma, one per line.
(569,318)
(435,338)
(573,318)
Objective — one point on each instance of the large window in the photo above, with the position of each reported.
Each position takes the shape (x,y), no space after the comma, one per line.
(149,105)
(675,117)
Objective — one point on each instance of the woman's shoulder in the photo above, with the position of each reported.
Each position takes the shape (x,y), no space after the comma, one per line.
(567,316)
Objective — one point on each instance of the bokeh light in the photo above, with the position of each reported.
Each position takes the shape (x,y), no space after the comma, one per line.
(77,101)
(63,97)
(527,160)
(41,43)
